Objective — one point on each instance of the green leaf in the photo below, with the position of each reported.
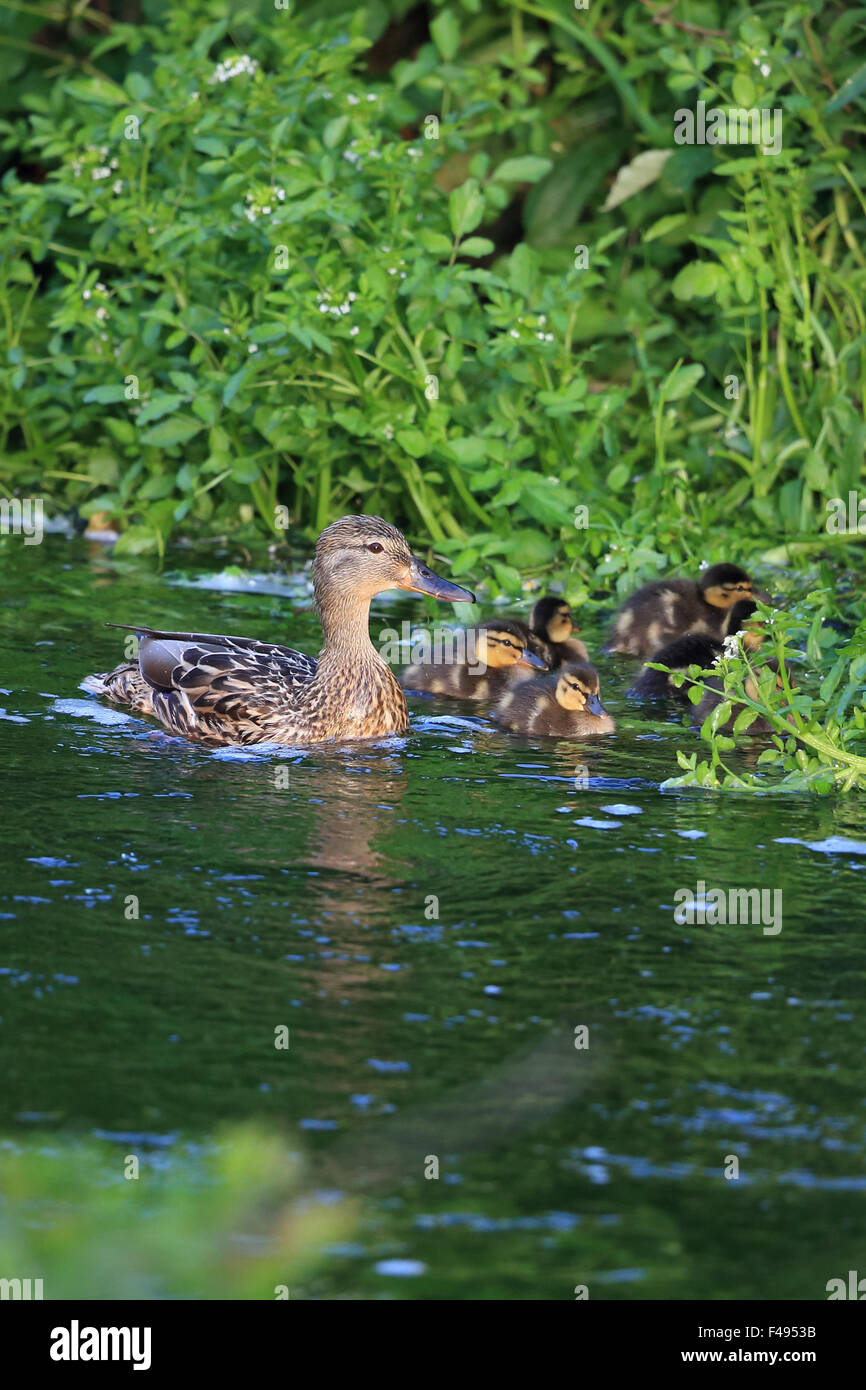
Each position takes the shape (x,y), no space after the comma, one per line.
(681,381)
(177,430)
(477,246)
(106,395)
(526,168)
(97,91)
(414,442)
(850,89)
(445,33)
(335,131)
(523,266)
(233,385)
(699,280)
(744,90)
(643,170)
(465,207)
(665,225)
(159,406)
(138,86)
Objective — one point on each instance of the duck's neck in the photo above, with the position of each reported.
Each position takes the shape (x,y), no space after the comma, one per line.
(346,627)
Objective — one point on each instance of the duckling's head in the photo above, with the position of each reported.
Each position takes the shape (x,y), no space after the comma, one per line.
(577,689)
(552,618)
(500,643)
(359,556)
(725,585)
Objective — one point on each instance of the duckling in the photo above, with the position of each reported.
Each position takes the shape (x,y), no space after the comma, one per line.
(551,622)
(696,649)
(715,696)
(567,707)
(235,691)
(493,652)
(670,608)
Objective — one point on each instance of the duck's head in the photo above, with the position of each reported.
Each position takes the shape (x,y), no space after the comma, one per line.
(500,643)
(577,689)
(364,555)
(552,618)
(725,585)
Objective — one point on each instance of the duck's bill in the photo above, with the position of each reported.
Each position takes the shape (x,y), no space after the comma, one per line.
(529,658)
(595,706)
(422,580)
(762,595)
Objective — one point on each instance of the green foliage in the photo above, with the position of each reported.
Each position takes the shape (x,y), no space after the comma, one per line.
(819,739)
(219,1224)
(398,354)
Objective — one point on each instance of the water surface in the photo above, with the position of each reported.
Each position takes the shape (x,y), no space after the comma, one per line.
(432,917)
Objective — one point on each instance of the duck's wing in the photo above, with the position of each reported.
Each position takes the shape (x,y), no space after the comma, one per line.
(221,675)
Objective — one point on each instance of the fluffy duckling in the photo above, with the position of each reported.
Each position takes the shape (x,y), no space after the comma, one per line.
(715,696)
(670,608)
(494,651)
(565,708)
(551,622)
(696,649)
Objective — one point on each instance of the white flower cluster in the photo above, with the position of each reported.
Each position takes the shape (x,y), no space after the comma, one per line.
(325,307)
(223,72)
(257,208)
(103,169)
(542,337)
(731,644)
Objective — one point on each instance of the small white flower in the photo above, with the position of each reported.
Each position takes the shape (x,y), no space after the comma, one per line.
(514,333)
(353,331)
(548,338)
(103,289)
(352,100)
(117,186)
(85,294)
(414,153)
(102,171)
(253,347)
(371,96)
(101,314)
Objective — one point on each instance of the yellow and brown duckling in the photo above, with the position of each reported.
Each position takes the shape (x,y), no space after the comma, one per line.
(235,690)
(551,632)
(492,654)
(715,696)
(696,649)
(670,608)
(567,706)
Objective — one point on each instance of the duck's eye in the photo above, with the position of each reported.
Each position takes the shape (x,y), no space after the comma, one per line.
(375,548)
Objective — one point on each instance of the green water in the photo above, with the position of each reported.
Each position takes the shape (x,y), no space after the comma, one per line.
(309,904)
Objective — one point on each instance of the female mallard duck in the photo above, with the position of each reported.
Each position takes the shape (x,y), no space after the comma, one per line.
(233,690)
(493,651)
(715,696)
(670,608)
(567,707)
(549,633)
(696,649)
